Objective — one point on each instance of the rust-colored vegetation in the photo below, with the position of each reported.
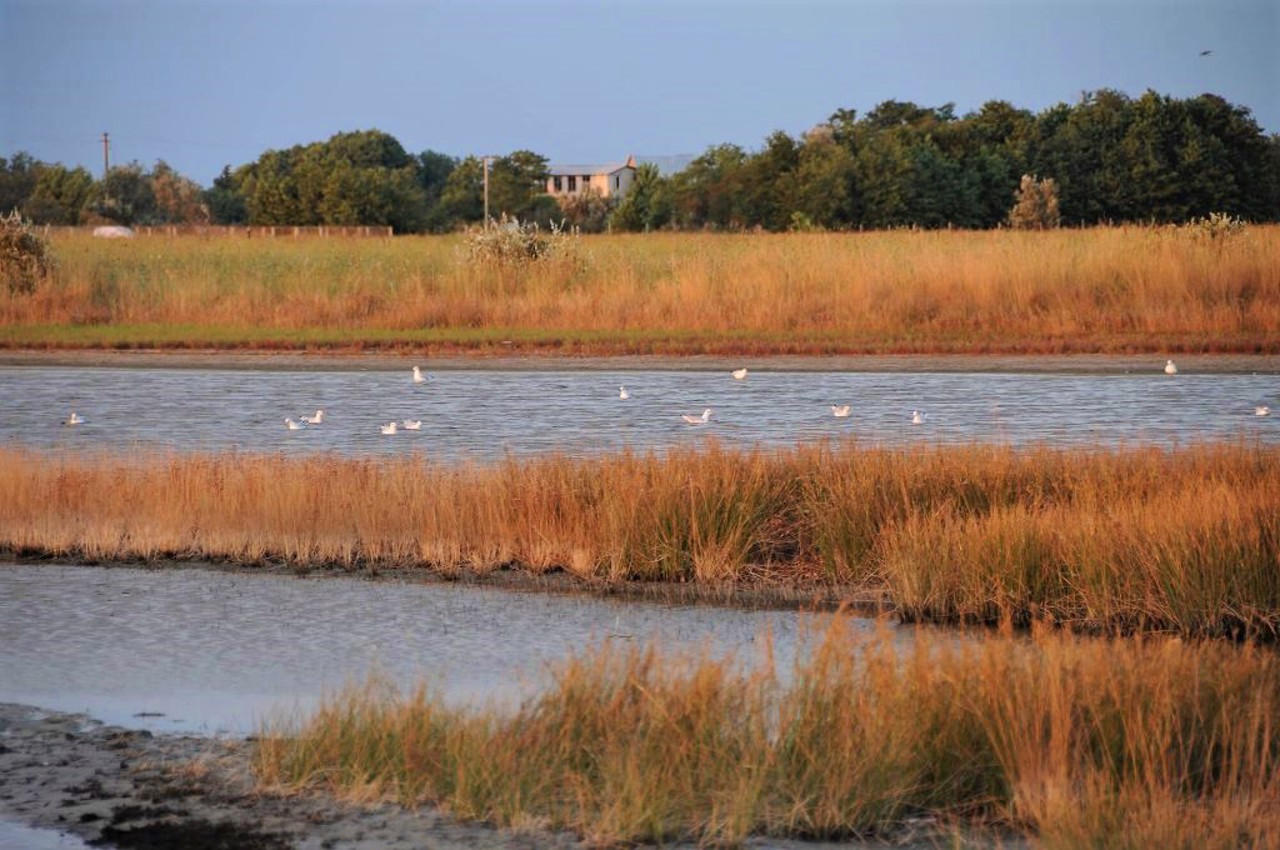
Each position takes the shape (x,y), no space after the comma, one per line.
(1100,743)
(1184,540)
(1107,290)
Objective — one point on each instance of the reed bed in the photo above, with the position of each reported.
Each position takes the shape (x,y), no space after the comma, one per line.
(1099,290)
(1098,743)
(1185,540)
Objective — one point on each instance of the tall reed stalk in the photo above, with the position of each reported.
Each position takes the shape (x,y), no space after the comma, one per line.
(1102,289)
(1131,539)
(1120,743)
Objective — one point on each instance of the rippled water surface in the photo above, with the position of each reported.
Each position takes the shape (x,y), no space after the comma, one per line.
(489,413)
(208,651)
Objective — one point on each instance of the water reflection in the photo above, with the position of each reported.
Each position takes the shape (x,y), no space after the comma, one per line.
(486,414)
(205,651)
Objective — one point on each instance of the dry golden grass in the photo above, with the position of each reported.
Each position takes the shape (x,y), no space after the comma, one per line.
(1135,539)
(1101,290)
(1127,743)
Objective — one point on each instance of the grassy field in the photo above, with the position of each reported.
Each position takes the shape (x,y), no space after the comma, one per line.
(1106,290)
(1129,540)
(1097,743)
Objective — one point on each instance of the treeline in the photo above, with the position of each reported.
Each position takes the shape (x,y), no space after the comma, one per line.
(1107,158)
(1112,159)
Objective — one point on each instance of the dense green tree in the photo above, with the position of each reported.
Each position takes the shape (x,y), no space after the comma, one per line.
(709,192)
(60,194)
(462,196)
(647,204)
(18,175)
(769,188)
(941,193)
(363,177)
(434,169)
(125,196)
(1087,157)
(225,201)
(883,171)
(1245,153)
(517,189)
(823,187)
(517,181)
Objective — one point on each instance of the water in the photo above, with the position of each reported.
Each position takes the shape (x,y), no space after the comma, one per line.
(208,652)
(485,414)
(16,836)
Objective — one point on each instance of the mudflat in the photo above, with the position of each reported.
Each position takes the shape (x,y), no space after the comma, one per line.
(118,787)
(346,361)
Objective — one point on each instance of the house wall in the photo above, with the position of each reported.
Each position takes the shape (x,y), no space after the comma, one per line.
(611,185)
(620,181)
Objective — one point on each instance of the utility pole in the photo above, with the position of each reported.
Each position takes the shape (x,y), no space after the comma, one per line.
(106,160)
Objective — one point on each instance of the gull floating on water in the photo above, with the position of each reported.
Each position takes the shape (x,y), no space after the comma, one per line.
(839,411)
(1262,410)
(739,374)
(918,418)
(623,394)
(389,428)
(74,419)
(418,377)
(292,426)
(411,424)
(1169,368)
(698,420)
(314,420)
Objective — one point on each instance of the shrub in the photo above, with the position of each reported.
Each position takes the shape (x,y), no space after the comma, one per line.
(1035,205)
(508,242)
(1217,227)
(24,256)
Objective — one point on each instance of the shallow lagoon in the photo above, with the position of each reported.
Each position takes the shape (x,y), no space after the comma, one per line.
(214,652)
(489,413)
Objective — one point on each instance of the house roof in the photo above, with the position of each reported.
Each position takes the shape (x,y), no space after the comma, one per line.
(598,168)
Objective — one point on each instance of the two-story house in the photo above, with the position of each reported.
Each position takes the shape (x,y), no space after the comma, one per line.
(609,180)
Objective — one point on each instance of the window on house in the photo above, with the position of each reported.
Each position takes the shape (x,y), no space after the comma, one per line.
(617,182)
(573,183)
(558,181)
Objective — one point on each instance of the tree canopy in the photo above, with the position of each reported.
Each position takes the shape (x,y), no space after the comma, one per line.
(1110,158)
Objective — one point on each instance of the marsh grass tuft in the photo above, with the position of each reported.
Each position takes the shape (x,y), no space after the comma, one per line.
(1073,742)
(1134,539)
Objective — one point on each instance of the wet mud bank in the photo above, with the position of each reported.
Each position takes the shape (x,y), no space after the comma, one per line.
(114,787)
(1244,363)
(760,594)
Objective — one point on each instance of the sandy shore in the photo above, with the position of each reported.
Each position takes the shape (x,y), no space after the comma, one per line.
(318,361)
(121,788)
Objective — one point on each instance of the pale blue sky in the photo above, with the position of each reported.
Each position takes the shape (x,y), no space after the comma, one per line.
(201,84)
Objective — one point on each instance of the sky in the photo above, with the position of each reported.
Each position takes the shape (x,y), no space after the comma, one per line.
(204,84)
